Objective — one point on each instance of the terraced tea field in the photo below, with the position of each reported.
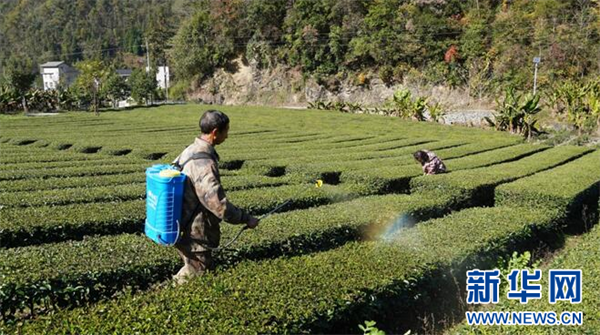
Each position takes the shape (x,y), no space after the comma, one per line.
(378,241)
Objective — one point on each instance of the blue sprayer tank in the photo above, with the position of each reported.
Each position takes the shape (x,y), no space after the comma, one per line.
(164,200)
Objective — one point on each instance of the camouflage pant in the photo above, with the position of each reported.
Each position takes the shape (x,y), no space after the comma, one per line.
(194,263)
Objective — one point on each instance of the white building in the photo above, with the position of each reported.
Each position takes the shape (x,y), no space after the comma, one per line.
(162,76)
(57,73)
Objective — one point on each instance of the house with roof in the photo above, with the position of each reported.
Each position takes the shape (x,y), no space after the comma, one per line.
(124,73)
(57,73)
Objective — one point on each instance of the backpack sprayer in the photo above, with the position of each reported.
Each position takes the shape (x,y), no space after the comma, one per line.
(164,202)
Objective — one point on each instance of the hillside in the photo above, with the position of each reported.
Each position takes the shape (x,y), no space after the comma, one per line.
(481,46)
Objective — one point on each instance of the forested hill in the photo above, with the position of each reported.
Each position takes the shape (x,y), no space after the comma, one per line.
(71,30)
(477,43)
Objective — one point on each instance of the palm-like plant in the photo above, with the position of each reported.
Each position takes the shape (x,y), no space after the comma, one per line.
(506,112)
(403,105)
(355,107)
(578,102)
(594,106)
(9,100)
(418,108)
(516,113)
(67,100)
(436,112)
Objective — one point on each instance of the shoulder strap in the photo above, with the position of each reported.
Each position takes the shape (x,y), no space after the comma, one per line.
(197,155)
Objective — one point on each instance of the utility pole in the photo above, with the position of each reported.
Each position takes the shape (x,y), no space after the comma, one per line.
(147,55)
(536,61)
(166,80)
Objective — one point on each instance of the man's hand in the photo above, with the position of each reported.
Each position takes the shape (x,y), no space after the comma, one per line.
(253,222)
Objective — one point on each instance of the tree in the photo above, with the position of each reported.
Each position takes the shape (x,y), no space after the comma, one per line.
(115,88)
(158,33)
(143,86)
(20,77)
(92,75)
(192,53)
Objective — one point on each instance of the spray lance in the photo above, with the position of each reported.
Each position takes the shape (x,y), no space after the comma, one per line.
(318,184)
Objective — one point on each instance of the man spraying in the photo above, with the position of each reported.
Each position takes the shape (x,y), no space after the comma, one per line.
(204,202)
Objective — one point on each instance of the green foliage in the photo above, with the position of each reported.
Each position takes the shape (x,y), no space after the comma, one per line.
(492,43)
(479,183)
(491,155)
(387,281)
(159,30)
(91,80)
(207,39)
(33,99)
(9,99)
(20,74)
(579,103)
(58,197)
(84,29)
(316,36)
(387,272)
(340,106)
(143,86)
(51,287)
(178,91)
(115,88)
(386,74)
(67,99)
(518,261)
(395,177)
(296,232)
(42,224)
(41,184)
(516,114)
(580,252)
(370,329)
(558,189)
(256,201)
(404,105)
(436,111)
(73,171)
(20,77)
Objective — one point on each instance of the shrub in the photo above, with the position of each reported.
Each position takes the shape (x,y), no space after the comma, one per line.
(386,74)
(572,188)
(326,298)
(479,183)
(56,276)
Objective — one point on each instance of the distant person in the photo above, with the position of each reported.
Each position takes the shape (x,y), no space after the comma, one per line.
(204,202)
(431,163)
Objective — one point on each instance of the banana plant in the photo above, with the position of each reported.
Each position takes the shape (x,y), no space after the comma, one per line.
(594,105)
(436,112)
(67,100)
(354,107)
(516,114)
(506,112)
(581,105)
(9,100)
(339,106)
(530,127)
(418,108)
